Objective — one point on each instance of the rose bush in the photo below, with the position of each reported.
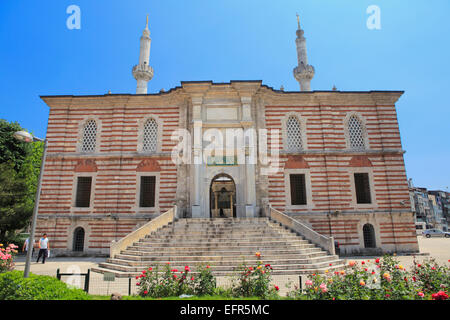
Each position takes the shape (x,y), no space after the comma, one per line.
(174,282)
(254,281)
(7,257)
(379,279)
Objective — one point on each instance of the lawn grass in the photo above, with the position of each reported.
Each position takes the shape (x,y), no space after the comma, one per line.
(217,297)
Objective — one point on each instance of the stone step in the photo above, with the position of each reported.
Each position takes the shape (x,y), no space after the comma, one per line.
(206,233)
(209,250)
(234,261)
(224,244)
(222,268)
(223,256)
(236,241)
(121,274)
(238,251)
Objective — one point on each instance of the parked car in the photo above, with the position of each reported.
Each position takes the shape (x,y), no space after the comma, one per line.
(436,233)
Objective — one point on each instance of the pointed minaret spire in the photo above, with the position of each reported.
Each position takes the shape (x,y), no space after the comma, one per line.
(142,72)
(304,72)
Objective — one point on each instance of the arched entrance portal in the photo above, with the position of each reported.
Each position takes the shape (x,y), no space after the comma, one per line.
(222,195)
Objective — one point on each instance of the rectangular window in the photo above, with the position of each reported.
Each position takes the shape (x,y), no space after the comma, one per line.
(83,199)
(298,189)
(147,197)
(362,188)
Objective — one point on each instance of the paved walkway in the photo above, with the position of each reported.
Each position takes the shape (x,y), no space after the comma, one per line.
(437,248)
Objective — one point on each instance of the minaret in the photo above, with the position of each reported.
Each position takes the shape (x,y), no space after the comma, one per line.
(304,72)
(143,73)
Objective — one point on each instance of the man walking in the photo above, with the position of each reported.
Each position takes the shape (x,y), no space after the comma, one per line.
(25,246)
(43,248)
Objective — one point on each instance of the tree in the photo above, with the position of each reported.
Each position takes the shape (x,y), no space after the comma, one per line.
(14,212)
(19,173)
(11,149)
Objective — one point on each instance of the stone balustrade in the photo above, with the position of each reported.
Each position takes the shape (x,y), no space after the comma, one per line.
(326,243)
(153,225)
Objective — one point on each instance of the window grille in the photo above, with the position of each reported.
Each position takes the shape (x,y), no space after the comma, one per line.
(362,188)
(147,196)
(78,239)
(294,138)
(298,189)
(89,136)
(355,131)
(83,197)
(150,136)
(369,236)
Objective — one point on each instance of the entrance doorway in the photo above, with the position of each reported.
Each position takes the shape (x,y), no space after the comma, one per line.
(222,195)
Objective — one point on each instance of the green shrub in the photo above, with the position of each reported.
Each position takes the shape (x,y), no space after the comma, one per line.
(13,286)
(7,257)
(171,282)
(205,282)
(254,281)
(380,279)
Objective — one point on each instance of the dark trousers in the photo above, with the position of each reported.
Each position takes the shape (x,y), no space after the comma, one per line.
(43,253)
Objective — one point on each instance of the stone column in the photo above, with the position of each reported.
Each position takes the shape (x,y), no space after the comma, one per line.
(198,158)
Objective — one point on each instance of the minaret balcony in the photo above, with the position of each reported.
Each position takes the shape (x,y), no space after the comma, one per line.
(143,72)
(304,72)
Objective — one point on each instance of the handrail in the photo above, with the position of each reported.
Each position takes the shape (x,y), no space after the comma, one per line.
(325,242)
(162,220)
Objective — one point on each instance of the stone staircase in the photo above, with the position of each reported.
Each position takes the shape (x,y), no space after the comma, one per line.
(224,244)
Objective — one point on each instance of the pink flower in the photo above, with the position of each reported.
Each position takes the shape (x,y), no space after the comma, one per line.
(308,283)
(324,288)
(421,294)
(186,268)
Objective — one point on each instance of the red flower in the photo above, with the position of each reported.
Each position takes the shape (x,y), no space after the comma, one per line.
(365,269)
(150,269)
(419,265)
(433,268)
(277,288)
(186,268)
(363,262)
(145,292)
(138,284)
(207,267)
(143,272)
(174,276)
(137,277)
(377,260)
(441,295)
(174,270)
(330,264)
(414,279)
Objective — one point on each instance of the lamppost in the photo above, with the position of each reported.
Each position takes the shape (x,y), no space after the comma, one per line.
(28,138)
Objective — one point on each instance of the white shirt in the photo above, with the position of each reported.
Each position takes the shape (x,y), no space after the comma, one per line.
(26,245)
(44,243)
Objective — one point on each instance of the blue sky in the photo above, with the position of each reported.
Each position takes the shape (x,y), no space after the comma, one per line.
(236,40)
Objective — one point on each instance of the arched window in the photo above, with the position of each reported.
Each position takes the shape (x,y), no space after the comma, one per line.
(369,236)
(78,239)
(355,133)
(150,138)
(294,137)
(89,136)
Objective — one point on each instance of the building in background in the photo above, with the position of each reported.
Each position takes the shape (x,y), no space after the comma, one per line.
(109,165)
(430,207)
